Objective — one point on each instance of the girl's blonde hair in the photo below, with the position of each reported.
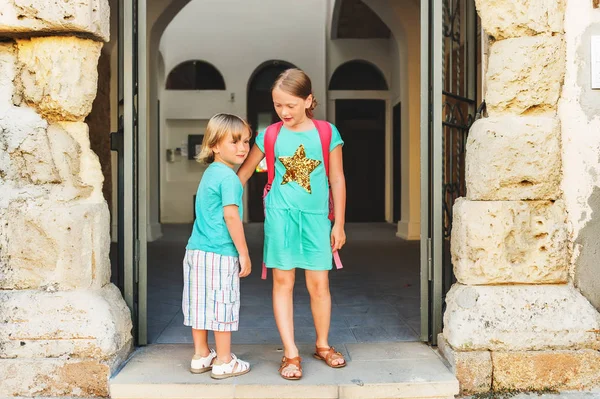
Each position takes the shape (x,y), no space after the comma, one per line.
(297,83)
(218,128)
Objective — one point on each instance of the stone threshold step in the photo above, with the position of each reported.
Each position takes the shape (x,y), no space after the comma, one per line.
(410,370)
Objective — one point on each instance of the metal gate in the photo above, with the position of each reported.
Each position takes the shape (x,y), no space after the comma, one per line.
(449,60)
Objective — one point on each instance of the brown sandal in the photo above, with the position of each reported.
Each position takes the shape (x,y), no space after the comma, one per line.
(330,356)
(285,362)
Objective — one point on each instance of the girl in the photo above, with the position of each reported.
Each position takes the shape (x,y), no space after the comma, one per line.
(298,233)
(217,249)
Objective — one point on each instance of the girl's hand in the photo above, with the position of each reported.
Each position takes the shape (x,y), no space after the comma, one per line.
(338,237)
(245,266)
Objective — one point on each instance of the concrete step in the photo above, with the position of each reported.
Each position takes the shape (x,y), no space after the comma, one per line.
(410,370)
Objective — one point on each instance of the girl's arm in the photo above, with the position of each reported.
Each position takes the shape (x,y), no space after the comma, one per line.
(235,227)
(249,166)
(337,181)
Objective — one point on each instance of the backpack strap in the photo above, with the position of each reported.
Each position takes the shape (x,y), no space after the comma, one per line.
(324,129)
(325,133)
(270,137)
(269,145)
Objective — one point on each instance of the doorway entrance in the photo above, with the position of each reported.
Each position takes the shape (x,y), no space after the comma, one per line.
(363,125)
(439,86)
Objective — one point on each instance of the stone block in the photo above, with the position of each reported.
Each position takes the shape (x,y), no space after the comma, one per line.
(53,378)
(500,242)
(520,318)
(513,158)
(472,369)
(556,370)
(78,325)
(23,17)
(58,76)
(54,246)
(504,19)
(525,75)
(78,165)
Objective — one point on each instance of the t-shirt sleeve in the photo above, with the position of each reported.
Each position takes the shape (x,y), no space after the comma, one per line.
(336,138)
(231,191)
(260,140)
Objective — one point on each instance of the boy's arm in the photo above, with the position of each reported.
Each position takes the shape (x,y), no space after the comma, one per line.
(250,164)
(236,231)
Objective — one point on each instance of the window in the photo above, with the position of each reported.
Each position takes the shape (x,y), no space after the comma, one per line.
(357,75)
(195,75)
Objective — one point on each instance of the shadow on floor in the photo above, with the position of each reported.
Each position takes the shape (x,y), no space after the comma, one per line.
(375,297)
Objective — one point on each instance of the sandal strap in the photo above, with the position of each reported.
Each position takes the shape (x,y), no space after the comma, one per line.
(294,361)
(330,353)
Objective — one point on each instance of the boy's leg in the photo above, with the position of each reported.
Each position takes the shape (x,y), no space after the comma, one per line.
(317,282)
(283,308)
(223,341)
(200,338)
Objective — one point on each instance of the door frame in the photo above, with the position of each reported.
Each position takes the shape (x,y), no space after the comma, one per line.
(133,91)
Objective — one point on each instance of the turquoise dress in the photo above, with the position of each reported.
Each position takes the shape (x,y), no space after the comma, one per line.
(297,229)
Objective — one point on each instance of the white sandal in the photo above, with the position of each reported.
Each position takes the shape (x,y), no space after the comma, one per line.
(232,369)
(203,364)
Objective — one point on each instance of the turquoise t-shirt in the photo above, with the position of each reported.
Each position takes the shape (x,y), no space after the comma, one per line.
(292,194)
(218,188)
(297,230)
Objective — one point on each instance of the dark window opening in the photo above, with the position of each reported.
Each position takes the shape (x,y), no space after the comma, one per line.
(195,75)
(357,75)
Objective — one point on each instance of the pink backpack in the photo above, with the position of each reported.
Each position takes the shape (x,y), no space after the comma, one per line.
(324,129)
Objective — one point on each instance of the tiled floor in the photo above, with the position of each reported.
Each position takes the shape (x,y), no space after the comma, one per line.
(375,296)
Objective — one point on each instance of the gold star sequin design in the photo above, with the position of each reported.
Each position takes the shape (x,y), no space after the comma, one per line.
(298,168)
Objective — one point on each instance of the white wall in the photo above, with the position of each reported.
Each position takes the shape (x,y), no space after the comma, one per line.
(179,178)
(236,37)
(579,112)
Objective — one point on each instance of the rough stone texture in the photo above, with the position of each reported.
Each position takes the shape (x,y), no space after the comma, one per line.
(503,19)
(499,242)
(99,122)
(558,370)
(525,75)
(514,158)
(24,17)
(59,76)
(49,246)
(90,324)
(472,369)
(519,318)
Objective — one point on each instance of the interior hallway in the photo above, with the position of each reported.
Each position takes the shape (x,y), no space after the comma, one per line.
(375,297)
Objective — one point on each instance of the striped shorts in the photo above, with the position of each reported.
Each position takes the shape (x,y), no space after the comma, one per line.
(211,291)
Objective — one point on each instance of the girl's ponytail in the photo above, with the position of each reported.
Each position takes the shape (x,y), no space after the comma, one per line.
(313,105)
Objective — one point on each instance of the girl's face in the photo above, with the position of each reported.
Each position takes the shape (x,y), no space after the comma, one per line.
(232,152)
(291,109)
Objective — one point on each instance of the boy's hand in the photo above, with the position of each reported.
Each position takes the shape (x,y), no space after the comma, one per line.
(245,266)
(338,237)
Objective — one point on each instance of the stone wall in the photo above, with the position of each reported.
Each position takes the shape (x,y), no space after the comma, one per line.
(514,320)
(63,327)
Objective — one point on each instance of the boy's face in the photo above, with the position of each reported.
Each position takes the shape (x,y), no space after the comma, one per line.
(232,152)
(290,109)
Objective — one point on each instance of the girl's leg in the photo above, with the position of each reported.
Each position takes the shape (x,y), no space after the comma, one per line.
(200,338)
(317,283)
(283,308)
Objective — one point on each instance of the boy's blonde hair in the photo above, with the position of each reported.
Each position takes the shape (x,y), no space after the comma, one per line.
(219,126)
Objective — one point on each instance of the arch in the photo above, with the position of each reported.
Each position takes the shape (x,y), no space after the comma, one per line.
(264,75)
(195,75)
(357,75)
